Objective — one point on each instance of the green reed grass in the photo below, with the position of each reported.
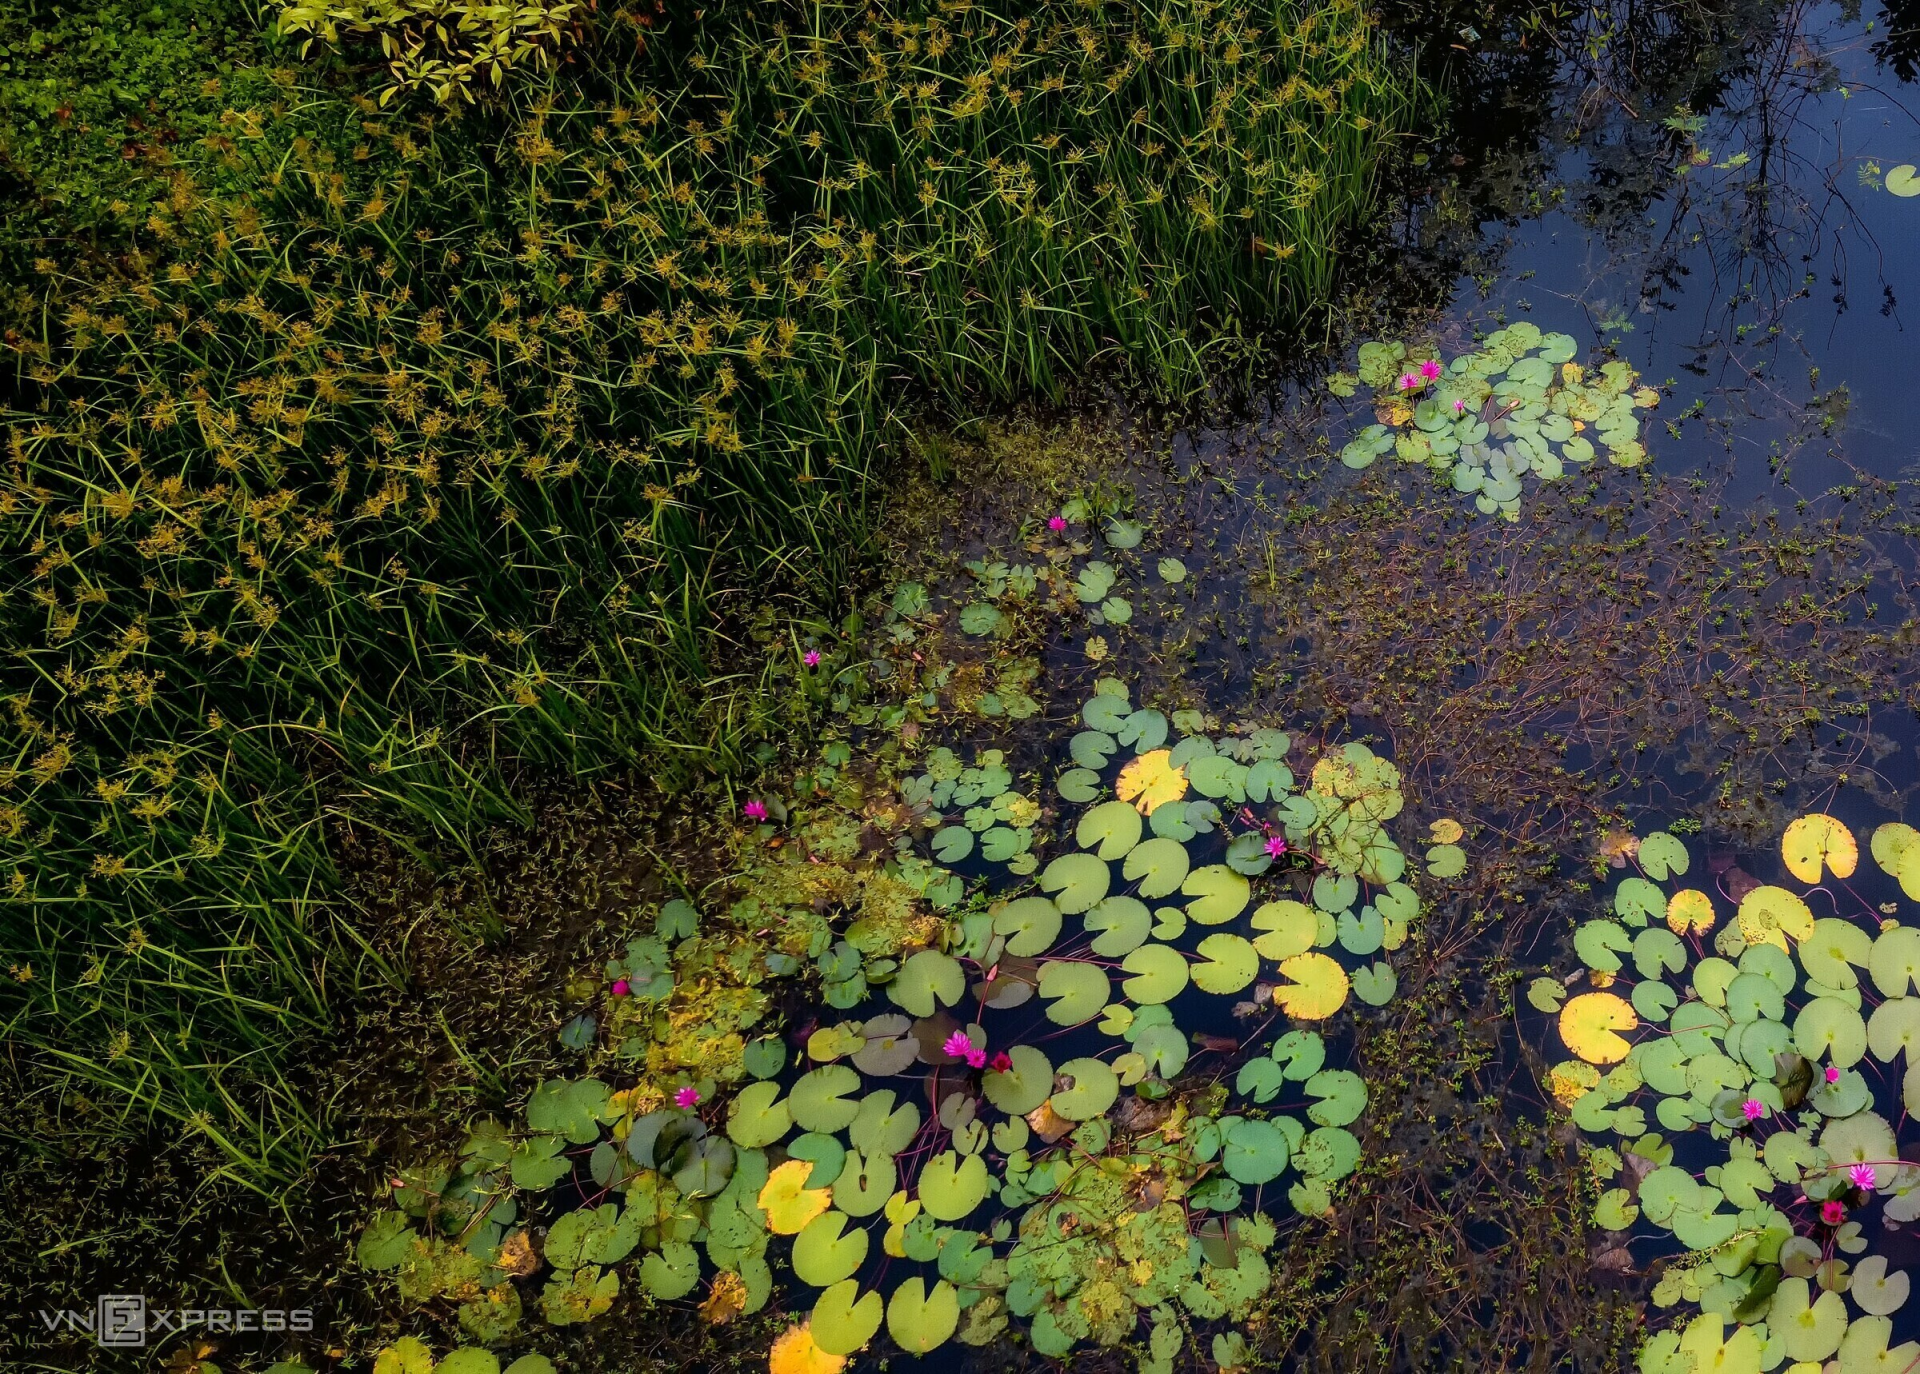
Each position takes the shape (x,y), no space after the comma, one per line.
(377,485)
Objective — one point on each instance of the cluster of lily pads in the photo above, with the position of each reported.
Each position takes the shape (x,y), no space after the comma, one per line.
(1744,1026)
(1516,405)
(1088,1190)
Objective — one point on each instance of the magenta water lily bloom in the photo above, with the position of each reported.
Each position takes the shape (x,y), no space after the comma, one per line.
(755,810)
(686,1099)
(811,658)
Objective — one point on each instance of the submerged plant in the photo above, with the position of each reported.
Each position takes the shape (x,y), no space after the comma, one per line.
(1518,404)
(1742,1035)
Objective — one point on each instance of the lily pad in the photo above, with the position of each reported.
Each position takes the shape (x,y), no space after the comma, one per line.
(1151,780)
(1159,974)
(1110,829)
(1158,866)
(951,1186)
(819,1100)
(1342,1094)
(1317,987)
(1815,844)
(1022,1087)
(1829,1028)
(1255,1152)
(843,1321)
(825,1252)
(1092,1090)
(1375,984)
(1030,925)
(787,1200)
(1227,964)
(1121,924)
(1219,894)
(756,1117)
(1588,1024)
(1172,570)
(919,1319)
(1287,928)
(930,978)
(1077,882)
(1075,991)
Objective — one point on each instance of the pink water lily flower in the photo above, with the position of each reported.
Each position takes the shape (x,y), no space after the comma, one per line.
(1430,369)
(687,1099)
(1833,1213)
(1754,1108)
(958,1045)
(1276,846)
(1863,1176)
(755,810)
(1833,1074)
(1058,523)
(1002,1062)
(1459,406)
(1408,381)
(622,988)
(976,1058)
(811,658)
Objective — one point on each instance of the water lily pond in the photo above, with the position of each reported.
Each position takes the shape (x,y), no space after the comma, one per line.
(1405,860)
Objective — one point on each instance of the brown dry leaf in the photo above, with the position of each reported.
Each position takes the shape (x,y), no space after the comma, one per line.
(1617,846)
(517,1257)
(1048,1124)
(1615,1259)
(726,1300)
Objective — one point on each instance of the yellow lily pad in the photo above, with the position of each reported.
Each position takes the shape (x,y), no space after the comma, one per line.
(1318,987)
(788,1202)
(1817,841)
(1151,781)
(1690,912)
(1588,1024)
(1772,916)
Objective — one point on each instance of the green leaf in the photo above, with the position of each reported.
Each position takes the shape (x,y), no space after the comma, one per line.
(1094,1088)
(920,1320)
(1077,882)
(1078,785)
(952,1186)
(1256,1152)
(1022,1087)
(571,1109)
(1030,925)
(1159,974)
(1342,1094)
(952,844)
(928,978)
(1446,861)
(1077,991)
(819,1100)
(670,1272)
(842,1321)
(980,618)
(1219,894)
(1157,865)
(1120,925)
(1172,570)
(756,1117)
(1227,964)
(1092,748)
(1376,984)
(1662,856)
(1114,827)
(469,1360)
(387,1240)
(825,1252)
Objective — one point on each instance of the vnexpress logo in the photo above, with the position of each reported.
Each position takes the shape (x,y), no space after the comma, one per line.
(123,1321)
(120,1321)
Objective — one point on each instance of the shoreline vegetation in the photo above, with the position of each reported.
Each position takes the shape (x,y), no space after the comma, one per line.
(366,455)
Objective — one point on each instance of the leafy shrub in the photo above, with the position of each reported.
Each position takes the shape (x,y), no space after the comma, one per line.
(442,46)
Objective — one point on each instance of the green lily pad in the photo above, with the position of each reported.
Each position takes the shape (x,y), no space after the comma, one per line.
(929,978)
(1094,1088)
(1895,960)
(1829,1028)
(1121,924)
(1752,997)
(1667,1190)
(1810,1328)
(1255,1152)
(1287,928)
(1219,894)
(866,1181)
(1159,974)
(1124,534)
(1342,1094)
(1332,1152)
(1030,925)
(1092,748)
(882,1128)
(1600,943)
(1446,861)
(843,1321)
(765,1057)
(1662,856)
(1077,882)
(1299,1053)
(920,1320)
(1110,829)
(1616,1210)
(1077,991)
(1158,866)
(1658,950)
(1078,784)
(951,1186)
(827,1154)
(1172,570)
(1094,582)
(819,1100)
(1024,1086)
(1894,1027)
(825,1252)
(756,1117)
(952,844)
(1375,984)
(1227,964)
(1637,901)
(670,1272)
(1902,181)
(1830,954)
(572,1109)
